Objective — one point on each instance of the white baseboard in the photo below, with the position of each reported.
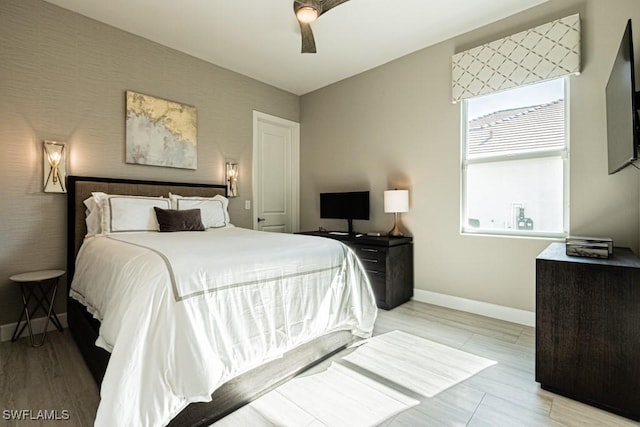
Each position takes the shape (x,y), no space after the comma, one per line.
(522,317)
(37,324)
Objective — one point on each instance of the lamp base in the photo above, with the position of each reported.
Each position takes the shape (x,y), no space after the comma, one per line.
(395,231)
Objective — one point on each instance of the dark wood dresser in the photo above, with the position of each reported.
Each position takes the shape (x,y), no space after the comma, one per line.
(388,262)
(588,328)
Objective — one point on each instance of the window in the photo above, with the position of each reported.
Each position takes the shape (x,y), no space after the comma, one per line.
(514,162)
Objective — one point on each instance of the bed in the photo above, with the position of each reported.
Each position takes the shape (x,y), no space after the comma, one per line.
(143,267)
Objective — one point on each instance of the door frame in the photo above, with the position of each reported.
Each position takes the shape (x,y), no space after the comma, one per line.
(294,128)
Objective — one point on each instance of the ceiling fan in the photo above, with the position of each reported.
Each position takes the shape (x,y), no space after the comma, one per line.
(308,11)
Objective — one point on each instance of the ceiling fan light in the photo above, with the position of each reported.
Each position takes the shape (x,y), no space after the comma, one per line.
(307,14)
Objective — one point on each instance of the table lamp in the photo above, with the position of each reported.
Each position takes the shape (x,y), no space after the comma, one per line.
(396,201)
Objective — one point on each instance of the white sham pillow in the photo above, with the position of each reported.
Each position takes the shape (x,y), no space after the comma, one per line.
(91,203)
(93,217)
(213,210)
(130,213)
(93,220)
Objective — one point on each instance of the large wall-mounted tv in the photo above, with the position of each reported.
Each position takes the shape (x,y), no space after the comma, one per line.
(351,205)
(623,124)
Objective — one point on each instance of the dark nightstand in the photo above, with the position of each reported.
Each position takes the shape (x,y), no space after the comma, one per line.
(388,262)
(588,328)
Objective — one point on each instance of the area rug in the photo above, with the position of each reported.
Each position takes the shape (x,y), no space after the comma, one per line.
(382,377)
(421,365)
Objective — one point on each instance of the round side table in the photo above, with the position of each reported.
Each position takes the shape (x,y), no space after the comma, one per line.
(31,284)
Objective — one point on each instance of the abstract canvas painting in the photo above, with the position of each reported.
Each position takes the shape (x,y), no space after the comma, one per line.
(161,132)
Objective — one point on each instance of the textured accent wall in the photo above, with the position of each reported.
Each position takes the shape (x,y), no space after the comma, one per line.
(63,77)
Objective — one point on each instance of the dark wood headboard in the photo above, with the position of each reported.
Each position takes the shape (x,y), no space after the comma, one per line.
(79,188)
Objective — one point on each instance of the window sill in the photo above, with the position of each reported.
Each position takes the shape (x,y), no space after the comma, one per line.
(553,237)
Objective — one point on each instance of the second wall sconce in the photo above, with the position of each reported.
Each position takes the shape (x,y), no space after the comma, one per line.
(232,179)
(55,167)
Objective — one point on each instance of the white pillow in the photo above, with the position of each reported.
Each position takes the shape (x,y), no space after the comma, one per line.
(93,217)
(213,210)
(93,202)
(130,213)
(94,222)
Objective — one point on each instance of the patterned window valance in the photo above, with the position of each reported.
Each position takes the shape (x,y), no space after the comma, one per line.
(545,52)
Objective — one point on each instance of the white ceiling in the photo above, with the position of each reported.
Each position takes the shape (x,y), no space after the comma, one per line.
(261,38)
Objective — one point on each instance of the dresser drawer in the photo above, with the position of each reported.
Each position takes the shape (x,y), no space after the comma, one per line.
(372,252)
(372,264)
(378,285)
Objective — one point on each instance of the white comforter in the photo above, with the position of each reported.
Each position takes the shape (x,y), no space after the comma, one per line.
(182,313)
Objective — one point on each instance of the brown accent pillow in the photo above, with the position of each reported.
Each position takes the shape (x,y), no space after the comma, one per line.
(173,220)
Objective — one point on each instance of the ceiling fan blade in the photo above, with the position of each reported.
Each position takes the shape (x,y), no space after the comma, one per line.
(327,5)
(308,42)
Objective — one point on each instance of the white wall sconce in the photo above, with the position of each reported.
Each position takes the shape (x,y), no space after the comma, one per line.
(232,179)
(396,201)
(55,167)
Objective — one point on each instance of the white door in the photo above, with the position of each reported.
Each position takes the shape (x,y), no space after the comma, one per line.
(276,158)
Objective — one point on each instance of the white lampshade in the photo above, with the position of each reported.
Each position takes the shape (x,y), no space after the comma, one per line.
(396,201)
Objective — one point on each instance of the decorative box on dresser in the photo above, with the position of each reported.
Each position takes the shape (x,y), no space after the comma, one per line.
(588,328)
(388,262)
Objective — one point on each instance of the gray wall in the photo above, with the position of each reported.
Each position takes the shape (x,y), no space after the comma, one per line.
(63,77)
(395,126)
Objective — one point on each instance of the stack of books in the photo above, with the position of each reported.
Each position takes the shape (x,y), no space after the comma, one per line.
(592,247)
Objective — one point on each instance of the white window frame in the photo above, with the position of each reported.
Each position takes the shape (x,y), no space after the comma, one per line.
(464,162)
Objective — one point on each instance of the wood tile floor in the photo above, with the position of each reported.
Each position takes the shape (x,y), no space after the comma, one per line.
(54,377)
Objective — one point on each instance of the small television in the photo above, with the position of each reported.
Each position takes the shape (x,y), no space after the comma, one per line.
(623,127)
(351,205)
